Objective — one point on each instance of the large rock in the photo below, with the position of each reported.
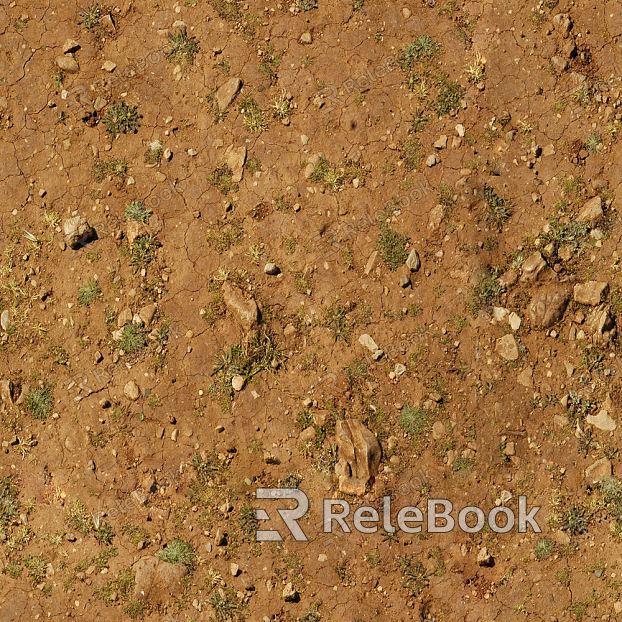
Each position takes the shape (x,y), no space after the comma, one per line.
(507,347)
(592,211)
(227,92)
(245,310)
(77,231)
(157,580)
(235,157)
(547,306)
(413,262)
(535,268)
(591,293)
(602,421)
(359,456)
(601,326)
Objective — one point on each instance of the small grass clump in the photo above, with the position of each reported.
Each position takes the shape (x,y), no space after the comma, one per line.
(594,143)
(36,567)
(115,167)
(499,210)
(337,321)
(281,106)
(121,119)
(90,17)
(356,372)
(486,292)
(414,577)
(132,338)
(449,96)
(391,246)
(177,552)
(39,401)
(415,421)
(182,48)
(227,606)
(544,548)
(421,48)
(227,9)
(328,175)
(221,178)
(224,236)
(270,63)
(89,293)
(573,234)
(283,204)
(574,520)
(136,210)
(135,534)
(247,521)
(143,251)
(9,504)
(418,121)
(254,120)
(412,154)
(253,165)
(154,152)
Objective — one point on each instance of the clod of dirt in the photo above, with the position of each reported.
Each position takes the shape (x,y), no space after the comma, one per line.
(547,307)
(157,580)
(359,456)
(77,231)
(67,63)
(245,310)
(592,211)
(598,471)
(227,92)
(591,293)
(484,558)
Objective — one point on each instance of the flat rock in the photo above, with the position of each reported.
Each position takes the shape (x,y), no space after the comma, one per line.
(547,307)
(131,391)
(359,456)
(507,347)
(157,580)
(598,471)
(227,92)
(70,46)
(525,378)
(600,325)
(67,64)
(146,313)
(592,211)
(602,421)
(591,293)
(245,310)
(235,158)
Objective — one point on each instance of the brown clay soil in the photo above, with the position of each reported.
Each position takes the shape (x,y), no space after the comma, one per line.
(473,133)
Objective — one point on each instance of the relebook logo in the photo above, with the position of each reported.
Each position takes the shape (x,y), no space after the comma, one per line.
(440,517)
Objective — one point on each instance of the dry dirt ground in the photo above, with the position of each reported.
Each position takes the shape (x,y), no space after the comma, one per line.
(254,180)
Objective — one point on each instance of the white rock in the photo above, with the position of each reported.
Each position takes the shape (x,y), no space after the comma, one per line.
(514,320)
(238,382)
(602,421)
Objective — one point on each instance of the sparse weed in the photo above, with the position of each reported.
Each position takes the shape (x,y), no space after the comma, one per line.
(254,120)
(39,401)
(132,338)
(391,246)
(136,210)
(221,178)
(224,236)
(544,548)
(177,552)
(143,251)
(120,119)
(154,152)
(412,154)
(182,48)
(327,174)
(89,293)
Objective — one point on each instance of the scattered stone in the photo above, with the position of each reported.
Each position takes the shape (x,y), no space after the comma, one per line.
(359,456)
(70,46)
(561,64)
(484,558)
(565,253)
(514,320)
(77,231)
(227,92)
(404,280)
(413,262)
(547,307)
(525,378)
(109,66)
(236,157)
(602,421)
(100,103)
(432,160)
(306,38)
(308,434)
(592,212)
(146,313)
(499,314)
(598,471)
(220,539)
(406,13)
(5,321)
(67,63)
(509,278)
(563,24)
(290,595)
(238,382)
(246,311)
(234,569)
(601,325)
(367,342)
(371,263)
(131,391)
(438,430)
(441,143)
(507,348)
(533,268)
(591,293)
(549,150)
(271,268)
(570,49)
(125,317)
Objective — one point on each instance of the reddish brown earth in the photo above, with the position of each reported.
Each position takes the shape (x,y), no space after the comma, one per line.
(94,483)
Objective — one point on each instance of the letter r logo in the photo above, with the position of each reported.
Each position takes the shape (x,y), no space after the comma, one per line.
(290,517)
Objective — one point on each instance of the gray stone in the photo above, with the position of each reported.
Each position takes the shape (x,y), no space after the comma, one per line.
(547,307)
(601,326)
(271,268)
(413,262)
(146,313)
(306,38)
(131,391)
(591,293)
(598,471)
(227,92)
(5,321)
(236,157)
(290,594)
(77,231)
(533,267)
